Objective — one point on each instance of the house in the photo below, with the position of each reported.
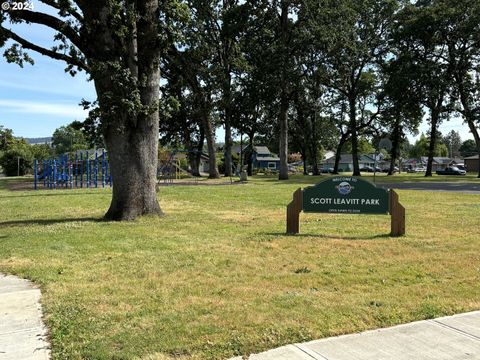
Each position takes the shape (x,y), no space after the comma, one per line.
(346,162)
(263,158)
(472,163)
(438,163)
(181,158)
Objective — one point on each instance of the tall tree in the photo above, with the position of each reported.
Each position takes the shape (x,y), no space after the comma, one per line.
(118,44)
(453,142)
(402,111)
(421,35)
(67,139)
(462,32)
(353,37)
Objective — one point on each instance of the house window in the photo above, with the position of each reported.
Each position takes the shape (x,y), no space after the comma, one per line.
(272,165)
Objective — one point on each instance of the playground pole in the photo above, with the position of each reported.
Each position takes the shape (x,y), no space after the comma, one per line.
(35,166)
(65,171)
(95,168)
(49,173)
(44,173)
(103,168)
(81,170)
(88,170)
(76,169)
(70,174)
(58,177)
(54,173)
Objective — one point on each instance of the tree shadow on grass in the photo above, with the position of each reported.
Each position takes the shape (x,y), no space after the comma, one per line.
(48,221)
(335,237)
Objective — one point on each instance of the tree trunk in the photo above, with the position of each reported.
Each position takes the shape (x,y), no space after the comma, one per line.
(283,119)
(212,156)
(476,136)
(249,154)
(283,148)
(353,136)
(395,146)
(228,125)
(133,156)
(228,148)
(303,151)
(338,152)
(469,117)
(195,155)
(433,141)
(314,146)
(132,140)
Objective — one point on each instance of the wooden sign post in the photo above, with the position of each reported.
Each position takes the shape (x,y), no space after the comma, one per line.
(293,212)
(397,213)
(346,195)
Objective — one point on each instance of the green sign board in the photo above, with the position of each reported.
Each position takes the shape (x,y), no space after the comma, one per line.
(346,195)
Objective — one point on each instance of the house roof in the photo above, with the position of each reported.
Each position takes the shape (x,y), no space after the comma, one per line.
(439,160)
(344,158)
(262,150)
(474,157)
(442,160)
(236,148)
(347,159)
(413,161)
(268,158)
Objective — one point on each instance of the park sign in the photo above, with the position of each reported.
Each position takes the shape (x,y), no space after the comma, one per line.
(346,195)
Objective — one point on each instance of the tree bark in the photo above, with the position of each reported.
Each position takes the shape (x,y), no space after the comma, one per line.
(132,141)
(212,156)
(133,156)
(395,145)
(283,148)
(283,119)
(353,136)
(195,155)
(338,153)
(228,125)
(469,116)
(249,154)
(314,146)
(303,152)
(433,140)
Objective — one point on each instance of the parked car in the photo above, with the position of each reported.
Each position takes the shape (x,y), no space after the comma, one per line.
(326,170)
(417,169)
(387,169)
(451,170)
(366,169)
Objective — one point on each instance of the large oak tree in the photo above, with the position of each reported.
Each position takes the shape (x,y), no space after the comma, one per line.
(118,43)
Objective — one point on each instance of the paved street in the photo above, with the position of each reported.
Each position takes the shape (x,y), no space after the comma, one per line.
(469,188)
(448,338)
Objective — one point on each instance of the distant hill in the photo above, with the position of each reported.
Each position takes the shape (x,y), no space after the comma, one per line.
(41,140)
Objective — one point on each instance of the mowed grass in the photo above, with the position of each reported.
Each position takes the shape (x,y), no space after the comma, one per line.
(217,277)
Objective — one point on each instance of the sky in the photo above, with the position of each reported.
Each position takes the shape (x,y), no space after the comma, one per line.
(35,100)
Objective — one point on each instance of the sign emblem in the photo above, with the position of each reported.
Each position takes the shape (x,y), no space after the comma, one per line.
(344,188)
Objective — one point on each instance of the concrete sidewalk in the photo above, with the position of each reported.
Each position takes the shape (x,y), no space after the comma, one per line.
(22,333)
(447,338)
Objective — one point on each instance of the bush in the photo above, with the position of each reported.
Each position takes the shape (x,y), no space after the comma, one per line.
(17,153)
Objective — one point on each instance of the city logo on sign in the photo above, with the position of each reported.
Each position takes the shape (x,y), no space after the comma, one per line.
(344,188)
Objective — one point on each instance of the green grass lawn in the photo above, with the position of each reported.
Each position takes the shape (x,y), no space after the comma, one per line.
(217,277)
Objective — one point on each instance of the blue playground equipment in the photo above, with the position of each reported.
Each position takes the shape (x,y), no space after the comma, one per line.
(65,173)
